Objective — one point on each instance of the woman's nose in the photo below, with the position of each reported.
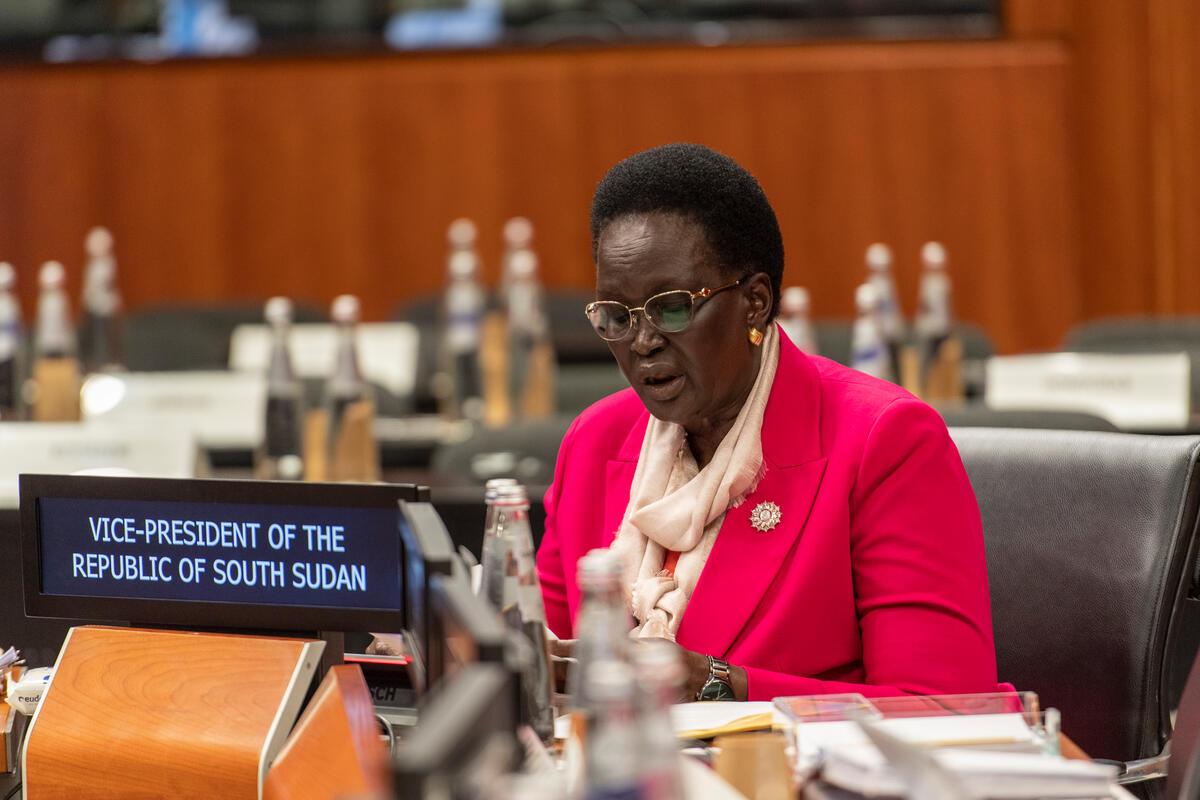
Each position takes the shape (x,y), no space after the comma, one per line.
(646,338)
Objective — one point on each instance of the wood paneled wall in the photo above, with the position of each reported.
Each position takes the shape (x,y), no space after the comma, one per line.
(1044,161)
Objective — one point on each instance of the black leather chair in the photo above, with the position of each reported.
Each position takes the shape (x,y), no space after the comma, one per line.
(1183,770)
(978,415)
(1092,563)
(176,337)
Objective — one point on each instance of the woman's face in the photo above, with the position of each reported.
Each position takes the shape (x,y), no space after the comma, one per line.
(702,375)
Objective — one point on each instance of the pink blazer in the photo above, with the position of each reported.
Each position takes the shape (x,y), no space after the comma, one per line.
(874,580)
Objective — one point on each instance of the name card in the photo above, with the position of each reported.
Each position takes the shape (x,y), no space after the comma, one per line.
(1134,392)
(221,410)
(387,352)
(63,448)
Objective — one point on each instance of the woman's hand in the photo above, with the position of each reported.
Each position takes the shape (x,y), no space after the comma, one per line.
(562,656)
(695,675)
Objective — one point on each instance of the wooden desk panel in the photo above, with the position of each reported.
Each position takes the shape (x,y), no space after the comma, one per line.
(314,177)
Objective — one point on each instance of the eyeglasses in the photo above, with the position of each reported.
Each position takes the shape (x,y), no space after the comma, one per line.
(669,312)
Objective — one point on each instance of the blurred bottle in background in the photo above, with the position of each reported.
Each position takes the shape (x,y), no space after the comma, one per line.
(530,352)
(53,336)
(12,345)
(934,314)
(660,678)
(494,556)
(795,319)
(518,237)
(100,333)
(868,348)
(891,319)
(462,326)
(612,761)
(281,456)
(512,568)
(53,389)
(346,386)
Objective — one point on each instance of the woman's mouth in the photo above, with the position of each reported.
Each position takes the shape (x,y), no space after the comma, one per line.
(662,388)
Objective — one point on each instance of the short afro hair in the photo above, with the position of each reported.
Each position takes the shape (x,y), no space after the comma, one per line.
(710,188)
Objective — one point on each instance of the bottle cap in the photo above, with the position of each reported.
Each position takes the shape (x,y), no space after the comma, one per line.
(8,277)
(524,265)
(795,299)
(52,275)
(99,242)
(600,567)
(879,257)
(518,232)
(866,299)
(278,311)
(513,494)
(345,309)
(463,264)
(494,484)
(933,255)
(461,233)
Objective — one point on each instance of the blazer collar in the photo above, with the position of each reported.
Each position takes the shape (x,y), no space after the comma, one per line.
(791,431)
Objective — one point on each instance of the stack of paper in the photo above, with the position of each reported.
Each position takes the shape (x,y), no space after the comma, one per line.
(863,770)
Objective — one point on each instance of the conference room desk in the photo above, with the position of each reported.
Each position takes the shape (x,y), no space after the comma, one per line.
(8,782)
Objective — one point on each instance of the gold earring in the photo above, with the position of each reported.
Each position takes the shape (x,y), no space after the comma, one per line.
(756,337)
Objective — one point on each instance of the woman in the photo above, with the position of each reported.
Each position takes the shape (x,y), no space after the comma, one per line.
(795,526)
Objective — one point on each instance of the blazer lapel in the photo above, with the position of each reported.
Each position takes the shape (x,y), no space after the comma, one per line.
(744,561)
(619,478)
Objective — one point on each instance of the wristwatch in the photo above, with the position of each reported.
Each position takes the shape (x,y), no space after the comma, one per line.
(719,685)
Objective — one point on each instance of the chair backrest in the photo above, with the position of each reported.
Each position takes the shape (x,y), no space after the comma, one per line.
(1141,335)
(978,415)
(834,340)
(1091,543)
(191,336)
(1183,770)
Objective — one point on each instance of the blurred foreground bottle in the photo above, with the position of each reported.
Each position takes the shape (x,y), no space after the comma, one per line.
(530,353)
(612,759)
(795,320)
(868,348)
(602,637)
(891,319)
(100,343)
(351,451)
(510,573)
(12,345)
(53,392)
(660,677)
(462,326)
(495,556)
(281,456)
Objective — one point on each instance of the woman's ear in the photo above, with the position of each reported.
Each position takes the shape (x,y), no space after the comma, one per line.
(758,292)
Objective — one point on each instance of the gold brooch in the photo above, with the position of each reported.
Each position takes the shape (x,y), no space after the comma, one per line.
(765,516)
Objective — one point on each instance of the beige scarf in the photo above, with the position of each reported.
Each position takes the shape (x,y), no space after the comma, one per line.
(674,505)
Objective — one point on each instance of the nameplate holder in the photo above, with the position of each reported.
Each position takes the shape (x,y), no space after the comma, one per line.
(147,713)
(1134,392)
(222,410)
(64,448)
(387,352)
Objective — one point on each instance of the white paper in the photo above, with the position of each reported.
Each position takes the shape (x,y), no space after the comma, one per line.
(65,448)
(1134,392)
(220,409)
(1011,775)
(709,715)
(387,352)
